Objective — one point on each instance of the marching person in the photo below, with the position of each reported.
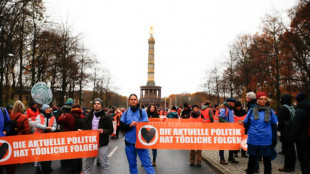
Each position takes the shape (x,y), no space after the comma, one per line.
(45,123)
(262,133)
(71,123)
(195,155)
(227,115)
(285,117)
(301,131)
(22,126)
(33,111)
(128,122)
(99,120)
(152,113)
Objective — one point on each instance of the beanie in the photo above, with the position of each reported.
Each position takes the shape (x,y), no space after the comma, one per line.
(69,101)
(286,99)
(300,97)
(260,94)
(55,108)
(99,100)
(44,107)
(231,100)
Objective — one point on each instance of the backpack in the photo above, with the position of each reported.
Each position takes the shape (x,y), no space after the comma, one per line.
(140,112)
(79,122)
(13,126)
(292,111)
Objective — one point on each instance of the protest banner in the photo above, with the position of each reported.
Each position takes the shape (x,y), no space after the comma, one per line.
(181,134)
(47,147)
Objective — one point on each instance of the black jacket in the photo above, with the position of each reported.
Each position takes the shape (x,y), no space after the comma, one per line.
(105,123)
(284,125)
(300,124)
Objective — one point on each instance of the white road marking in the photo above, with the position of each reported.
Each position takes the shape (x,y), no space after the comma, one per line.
(113,151)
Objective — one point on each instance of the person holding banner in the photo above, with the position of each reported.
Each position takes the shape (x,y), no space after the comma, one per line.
(226,114)
(262,133)
(99,120)
(73,122)
(128,123)
(152,113)
(240,114)
(195,116)
(45,123)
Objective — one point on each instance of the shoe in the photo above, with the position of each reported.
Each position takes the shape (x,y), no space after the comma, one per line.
(153,164)
(98,163)
(192,164)
(245,156)
(286,170)
(233,160)
(198,165)
(223,162)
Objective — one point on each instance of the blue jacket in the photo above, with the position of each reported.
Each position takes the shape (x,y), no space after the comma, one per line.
(4,118)
(260,132)
(230,115)
(129,116)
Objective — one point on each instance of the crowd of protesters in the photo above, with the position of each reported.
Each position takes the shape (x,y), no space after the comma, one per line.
(260,122)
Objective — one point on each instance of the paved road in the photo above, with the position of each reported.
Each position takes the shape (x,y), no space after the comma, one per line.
(168,162)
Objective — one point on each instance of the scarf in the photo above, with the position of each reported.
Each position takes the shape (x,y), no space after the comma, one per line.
(261,108)
(99,113)
(134,108)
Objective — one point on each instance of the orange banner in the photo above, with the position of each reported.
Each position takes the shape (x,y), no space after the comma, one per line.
(189,135)
(47,147)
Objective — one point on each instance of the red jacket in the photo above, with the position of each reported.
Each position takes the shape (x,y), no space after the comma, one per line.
(32,115)
(22,123)
(68,120)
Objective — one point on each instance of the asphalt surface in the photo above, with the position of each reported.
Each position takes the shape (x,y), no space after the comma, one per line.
(168,162)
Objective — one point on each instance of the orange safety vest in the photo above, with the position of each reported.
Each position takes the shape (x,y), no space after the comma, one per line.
(217,115)
(199,119)
(50,124)
(206,115)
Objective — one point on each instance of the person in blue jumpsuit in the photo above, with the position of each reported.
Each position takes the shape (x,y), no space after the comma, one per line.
(128,123)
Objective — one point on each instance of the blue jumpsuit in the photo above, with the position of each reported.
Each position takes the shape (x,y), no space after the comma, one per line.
(130,138)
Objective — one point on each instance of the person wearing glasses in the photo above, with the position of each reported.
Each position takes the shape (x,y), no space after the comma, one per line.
(98,120)
(129,120)
(262,133)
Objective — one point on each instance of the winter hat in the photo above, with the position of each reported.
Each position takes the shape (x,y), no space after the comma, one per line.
(99,100)
(55,108)
(231,100)
(69,101)
(44,107)
(300,97)
(286,99)
(260,94)
(238,103)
